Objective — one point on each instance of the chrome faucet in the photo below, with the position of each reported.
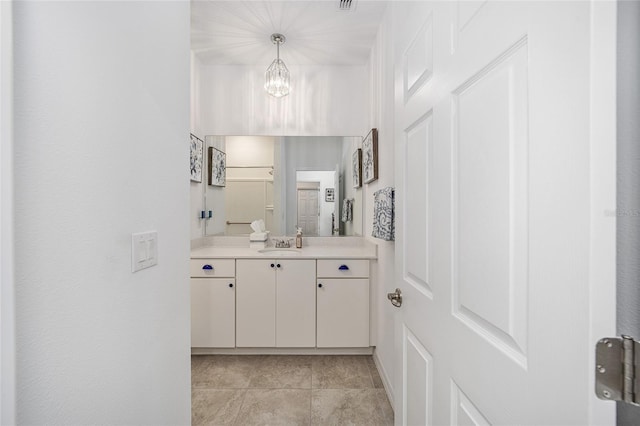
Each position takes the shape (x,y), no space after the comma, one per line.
(284,243)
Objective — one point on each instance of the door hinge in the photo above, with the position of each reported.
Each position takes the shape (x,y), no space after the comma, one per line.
(616,376)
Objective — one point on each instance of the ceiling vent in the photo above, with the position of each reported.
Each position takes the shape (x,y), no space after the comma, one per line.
(346,5)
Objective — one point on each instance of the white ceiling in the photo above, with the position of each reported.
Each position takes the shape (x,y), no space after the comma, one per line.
(317,32)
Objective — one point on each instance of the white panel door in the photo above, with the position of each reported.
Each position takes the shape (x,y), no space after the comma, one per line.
(255,303)
(296,303)
(501,204)
(308,211)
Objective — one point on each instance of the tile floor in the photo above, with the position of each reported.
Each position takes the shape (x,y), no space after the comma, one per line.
(287,390)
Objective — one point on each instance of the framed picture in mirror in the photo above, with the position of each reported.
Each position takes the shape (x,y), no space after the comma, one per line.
(370,156)
(196,158)
(330,195)
(357,168)
(217,167)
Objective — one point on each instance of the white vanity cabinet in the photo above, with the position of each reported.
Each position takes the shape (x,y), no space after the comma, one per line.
(275,303)
(311,301)
(342,303)
(213,303)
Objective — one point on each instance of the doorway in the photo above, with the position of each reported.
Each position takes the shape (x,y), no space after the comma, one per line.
(308,207)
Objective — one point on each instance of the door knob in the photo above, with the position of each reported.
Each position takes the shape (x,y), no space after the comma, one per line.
(395,298)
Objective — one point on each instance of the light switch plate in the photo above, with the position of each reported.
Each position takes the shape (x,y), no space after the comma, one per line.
(144,250)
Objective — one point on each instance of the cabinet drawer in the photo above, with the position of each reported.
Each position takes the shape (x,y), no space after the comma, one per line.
(336,268)
(202,268)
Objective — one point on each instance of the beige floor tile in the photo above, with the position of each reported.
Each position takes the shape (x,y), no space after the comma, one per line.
(275,407)
(198,362)
(385,407)
(340,372)
(215,406)
(375,376)
(346,407)
(224,371)
(346,390)
(283,372)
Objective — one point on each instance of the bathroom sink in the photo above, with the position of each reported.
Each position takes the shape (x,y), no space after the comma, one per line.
(280,251)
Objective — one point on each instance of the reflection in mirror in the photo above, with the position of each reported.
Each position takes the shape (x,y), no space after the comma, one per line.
(272,178)
(317,208)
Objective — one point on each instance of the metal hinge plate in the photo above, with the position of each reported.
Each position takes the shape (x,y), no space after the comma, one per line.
(616,377)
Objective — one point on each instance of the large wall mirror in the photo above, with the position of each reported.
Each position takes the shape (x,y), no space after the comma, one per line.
(287,181)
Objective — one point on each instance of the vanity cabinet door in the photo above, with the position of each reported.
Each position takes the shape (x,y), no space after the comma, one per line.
(343,313)
(296,304)
(213,312)
(255,303)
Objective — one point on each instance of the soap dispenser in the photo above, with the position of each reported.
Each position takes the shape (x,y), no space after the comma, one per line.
(299,237)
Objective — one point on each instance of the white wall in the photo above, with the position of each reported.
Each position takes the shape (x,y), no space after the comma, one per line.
(101,121)
(249,151)
(381,117)
(7,300)
(195,88)
(196,188)
(324,101)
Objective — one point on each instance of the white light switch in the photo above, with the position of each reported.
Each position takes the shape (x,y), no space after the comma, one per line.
(144,250)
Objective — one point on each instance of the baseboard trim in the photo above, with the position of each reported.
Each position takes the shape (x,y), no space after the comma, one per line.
(282,351)
(388,388)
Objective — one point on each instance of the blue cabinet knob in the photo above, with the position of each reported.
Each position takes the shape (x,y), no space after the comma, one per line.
(343,268)
(207,267)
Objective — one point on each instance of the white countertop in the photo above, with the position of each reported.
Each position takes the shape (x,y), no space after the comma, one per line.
(330,251)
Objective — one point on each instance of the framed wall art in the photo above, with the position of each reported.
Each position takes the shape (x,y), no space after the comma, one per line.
(196,158)
(217,167)
(370,157)
(357,168)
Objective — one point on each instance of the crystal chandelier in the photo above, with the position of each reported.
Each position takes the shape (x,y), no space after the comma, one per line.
(276,79)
